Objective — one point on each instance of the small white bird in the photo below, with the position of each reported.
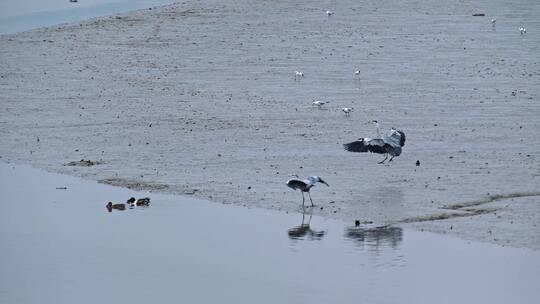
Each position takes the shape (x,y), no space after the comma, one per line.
(298,75)
(493,21)
(347,111)
(329,13)
(319,103)
(522,30)
(357,73)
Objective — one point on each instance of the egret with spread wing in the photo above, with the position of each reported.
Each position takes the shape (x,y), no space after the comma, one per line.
(388,144)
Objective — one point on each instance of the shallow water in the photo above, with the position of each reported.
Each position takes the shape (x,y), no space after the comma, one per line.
(22,15)
(63,246)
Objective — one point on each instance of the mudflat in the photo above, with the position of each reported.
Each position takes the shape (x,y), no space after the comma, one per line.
(199,98)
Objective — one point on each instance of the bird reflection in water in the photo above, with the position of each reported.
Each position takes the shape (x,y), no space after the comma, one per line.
(375,237)
(304,231)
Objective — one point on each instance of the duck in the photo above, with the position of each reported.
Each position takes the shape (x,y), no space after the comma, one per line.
(145,201)
(110,206)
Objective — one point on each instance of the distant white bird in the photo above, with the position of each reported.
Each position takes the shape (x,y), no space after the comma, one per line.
(305,185)
(319,103)
(298,75)
(347,111)
(389,144)
(329,13)
(493,21)
(522,30)
(357,74)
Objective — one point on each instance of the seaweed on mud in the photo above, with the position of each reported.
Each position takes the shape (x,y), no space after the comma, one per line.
(465,208)
(83,163)
(134,184)
(445,216)
(490,199)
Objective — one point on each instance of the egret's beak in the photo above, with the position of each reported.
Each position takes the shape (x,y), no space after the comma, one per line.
(324,183)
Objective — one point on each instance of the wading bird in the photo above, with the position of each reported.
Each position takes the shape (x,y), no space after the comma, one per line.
(522,30)
(298,75)
(319,103)
(305,185)
(357,74)
(329,13)
(347,111)
(493,21)
(389,144)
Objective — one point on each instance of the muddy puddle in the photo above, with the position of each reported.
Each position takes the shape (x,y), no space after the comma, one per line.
(17,16)
(61,245)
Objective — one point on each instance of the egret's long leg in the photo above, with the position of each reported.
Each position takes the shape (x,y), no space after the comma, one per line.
(382,161)
(391,158)
(303,199)
(312,205)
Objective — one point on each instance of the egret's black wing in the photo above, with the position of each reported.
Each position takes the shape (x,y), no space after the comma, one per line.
(402,139)
(366,145)
(296,184)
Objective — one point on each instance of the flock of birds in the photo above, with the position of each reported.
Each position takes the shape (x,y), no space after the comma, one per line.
(131,202)
(521,29)
(389,144)
(319,103)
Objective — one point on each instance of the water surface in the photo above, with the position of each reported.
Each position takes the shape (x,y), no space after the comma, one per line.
(22,15)
(63,246)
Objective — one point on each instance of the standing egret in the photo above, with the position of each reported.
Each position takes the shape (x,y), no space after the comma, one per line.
(305,185)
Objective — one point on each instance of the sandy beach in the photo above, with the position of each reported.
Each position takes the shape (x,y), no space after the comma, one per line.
(199,98)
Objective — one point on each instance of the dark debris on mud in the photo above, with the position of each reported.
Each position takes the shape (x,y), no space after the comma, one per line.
(83,163)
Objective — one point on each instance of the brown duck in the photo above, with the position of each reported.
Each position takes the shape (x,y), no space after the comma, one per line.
(110,206)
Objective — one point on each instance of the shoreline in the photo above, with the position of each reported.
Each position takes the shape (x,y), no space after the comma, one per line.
(61,229)
(60,14)
(199,99)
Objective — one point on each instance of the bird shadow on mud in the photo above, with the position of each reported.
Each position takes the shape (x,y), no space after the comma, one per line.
(304,231)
